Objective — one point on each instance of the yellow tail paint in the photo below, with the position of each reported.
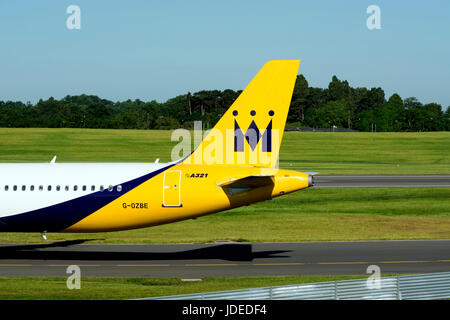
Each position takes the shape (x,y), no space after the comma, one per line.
(235,165)
(262,108)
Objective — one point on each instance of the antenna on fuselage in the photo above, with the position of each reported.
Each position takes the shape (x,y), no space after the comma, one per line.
(53,160)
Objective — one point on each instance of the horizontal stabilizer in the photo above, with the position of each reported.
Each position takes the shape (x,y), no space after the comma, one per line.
(247,183)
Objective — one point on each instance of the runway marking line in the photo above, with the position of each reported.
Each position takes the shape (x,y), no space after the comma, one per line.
(356,262)
(212,265)
(142,265)
(229,264)
(66,265)
(280,264)
(416,261)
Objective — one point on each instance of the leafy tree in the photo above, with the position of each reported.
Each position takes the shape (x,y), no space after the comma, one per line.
(98,115)
(333,113)
(447,119)
(375,97)
(300,100)
(339,105)
(227,98)
(428,117)
(338,90)
(395,113)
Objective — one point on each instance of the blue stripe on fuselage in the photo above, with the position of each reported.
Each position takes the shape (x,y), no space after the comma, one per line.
(62,215)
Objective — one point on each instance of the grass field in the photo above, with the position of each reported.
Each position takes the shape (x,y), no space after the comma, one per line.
(327,153)
(308,215)
(367,153)
(51,288)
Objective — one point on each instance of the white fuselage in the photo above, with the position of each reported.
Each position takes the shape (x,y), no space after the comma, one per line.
(67,181)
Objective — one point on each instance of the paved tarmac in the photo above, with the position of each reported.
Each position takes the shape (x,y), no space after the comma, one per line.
(188,261)
(194,261)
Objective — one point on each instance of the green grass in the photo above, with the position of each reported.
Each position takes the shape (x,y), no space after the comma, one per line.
(308,215)
(367,153)
(327,153)
(51,288)
(84,145)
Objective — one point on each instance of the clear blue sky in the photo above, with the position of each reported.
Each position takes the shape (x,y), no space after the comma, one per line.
(158,49)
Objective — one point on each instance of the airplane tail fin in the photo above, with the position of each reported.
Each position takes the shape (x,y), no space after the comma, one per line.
(251,130)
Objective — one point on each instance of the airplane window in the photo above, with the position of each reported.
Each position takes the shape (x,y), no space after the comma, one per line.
(58,188)
(49,188)
(102,188)
(24,188)
(119,188)
(110,188)
(75,188)
(6,188)
(84,188)
(32,188)
(15,188)
(92,188)
(66,188)
(41,188)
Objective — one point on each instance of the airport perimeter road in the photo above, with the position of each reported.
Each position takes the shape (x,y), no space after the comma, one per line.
(380,181)
(188,261)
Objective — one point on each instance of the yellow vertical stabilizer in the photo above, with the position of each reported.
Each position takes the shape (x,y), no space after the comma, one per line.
(251,130)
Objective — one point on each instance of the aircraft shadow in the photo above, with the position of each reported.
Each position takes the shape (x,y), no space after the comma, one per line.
(228,252)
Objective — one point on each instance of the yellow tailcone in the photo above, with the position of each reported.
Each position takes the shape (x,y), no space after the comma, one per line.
(287,181)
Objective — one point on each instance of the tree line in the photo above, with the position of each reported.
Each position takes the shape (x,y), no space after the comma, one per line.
(339,106)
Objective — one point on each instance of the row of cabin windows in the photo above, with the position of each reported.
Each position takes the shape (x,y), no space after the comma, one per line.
(66,188)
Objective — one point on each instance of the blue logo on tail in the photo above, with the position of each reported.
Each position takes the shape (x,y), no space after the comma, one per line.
(252,135)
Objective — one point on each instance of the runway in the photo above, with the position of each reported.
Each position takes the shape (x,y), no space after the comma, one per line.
(194,261)
(380,181)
